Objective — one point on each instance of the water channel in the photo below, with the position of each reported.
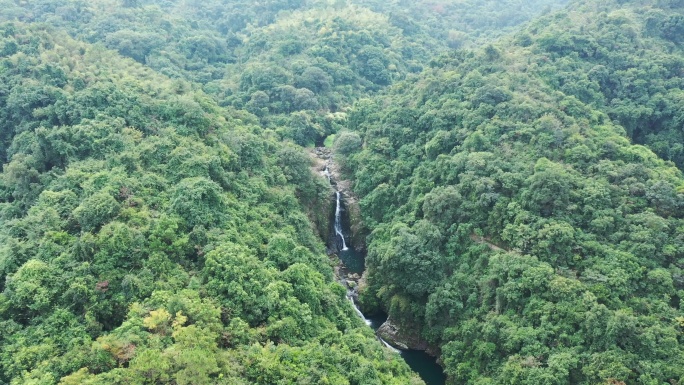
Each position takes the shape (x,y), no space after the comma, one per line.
(354,262)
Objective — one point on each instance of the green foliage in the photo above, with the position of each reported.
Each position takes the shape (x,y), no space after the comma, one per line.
(514,224)
(150,235)
(31,290)
(347,143)
(199,201)
(158,211)
(604,64)
(462,23)
(274,58)
(96,210)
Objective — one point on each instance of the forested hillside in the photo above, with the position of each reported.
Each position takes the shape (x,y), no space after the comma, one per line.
(626,62)
(153,198)
(151,236)
(463,23)
(514,222)
(295,64)
(160,222)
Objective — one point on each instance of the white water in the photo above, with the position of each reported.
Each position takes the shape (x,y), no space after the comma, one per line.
(338,231)
(370,323)
(338,222)
(417,363)
(358,311)
(326,173)
(388,346)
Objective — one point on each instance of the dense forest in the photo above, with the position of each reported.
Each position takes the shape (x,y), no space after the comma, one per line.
(515,221)
(150,235)
(518,166)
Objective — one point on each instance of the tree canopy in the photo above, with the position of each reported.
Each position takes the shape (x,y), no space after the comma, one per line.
(142,235)
(518,165)
(523,216)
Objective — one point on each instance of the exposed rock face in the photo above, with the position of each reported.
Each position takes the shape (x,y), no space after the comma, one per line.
(361,284)
(323,158)
(358,229)
(356,284)
(319,212)
(400,338)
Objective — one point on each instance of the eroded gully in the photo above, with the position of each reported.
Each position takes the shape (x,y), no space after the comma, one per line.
(352,268)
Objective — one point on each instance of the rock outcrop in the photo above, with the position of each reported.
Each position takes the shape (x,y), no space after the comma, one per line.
(323,159)
(400,338)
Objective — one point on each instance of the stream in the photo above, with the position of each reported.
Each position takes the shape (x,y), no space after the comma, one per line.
(354,262)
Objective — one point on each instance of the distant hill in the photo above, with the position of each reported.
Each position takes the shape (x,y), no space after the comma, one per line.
(292,63)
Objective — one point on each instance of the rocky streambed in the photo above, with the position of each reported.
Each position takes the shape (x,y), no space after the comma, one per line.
(346,240)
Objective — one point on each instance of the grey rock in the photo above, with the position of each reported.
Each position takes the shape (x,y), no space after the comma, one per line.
(401,339)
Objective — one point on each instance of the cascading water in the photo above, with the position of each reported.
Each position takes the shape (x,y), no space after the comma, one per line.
(338,222)
(326,173)
(353,263)
(390,347)
(358,311)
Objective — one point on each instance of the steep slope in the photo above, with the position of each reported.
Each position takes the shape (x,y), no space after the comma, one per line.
(295,64)
(626,61)
(461,23)
(514,225)
(294,71)
(148,235)
(151,229)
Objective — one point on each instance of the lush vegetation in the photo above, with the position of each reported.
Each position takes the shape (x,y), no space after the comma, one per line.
(151,236)
(295,64)
(626,62)
(514,223)
(159,221)
(463,23)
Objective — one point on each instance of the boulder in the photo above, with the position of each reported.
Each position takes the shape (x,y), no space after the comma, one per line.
(403,339)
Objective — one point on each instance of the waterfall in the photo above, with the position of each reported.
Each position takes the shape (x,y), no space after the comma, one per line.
(326,173)
(358,311)
(425,365)
(338,210)
(339,233)
(370,323)
(338,222)
(387,345)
